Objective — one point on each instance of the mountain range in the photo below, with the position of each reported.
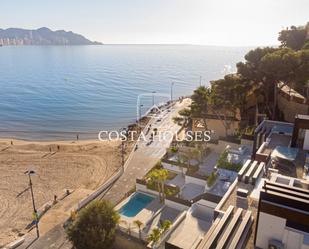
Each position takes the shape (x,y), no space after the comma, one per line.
(42,36)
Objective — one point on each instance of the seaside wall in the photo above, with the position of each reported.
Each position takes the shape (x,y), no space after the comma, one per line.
(217,126)
(291,105)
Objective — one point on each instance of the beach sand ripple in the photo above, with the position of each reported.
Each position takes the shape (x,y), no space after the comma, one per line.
(76,165)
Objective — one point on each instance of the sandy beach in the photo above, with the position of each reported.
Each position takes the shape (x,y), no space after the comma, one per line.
(80,166)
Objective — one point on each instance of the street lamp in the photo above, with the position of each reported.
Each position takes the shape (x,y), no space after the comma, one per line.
(153,97)
(140,111)
(140,117)
(35,213)
(123,147)
(172,84)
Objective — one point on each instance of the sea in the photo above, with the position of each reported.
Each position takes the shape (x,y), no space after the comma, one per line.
(57,92)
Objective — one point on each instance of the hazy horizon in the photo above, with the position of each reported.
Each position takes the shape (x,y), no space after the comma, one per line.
(245,23)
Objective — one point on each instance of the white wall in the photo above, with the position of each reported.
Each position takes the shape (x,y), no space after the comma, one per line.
(174,168)
(204,210)
(143,188)
(208,204)
(292,239)
(273,227)
(306,140)
(176,205)
(269,227)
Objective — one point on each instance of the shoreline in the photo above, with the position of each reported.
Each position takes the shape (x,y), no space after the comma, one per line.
(17,141)
(48,136)
(71,136)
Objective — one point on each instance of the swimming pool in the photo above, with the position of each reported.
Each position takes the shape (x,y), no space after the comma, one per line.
(136,203)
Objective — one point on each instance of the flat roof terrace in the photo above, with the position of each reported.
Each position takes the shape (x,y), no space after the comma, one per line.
(274,141)
(191,230)
(166,213)
(273,130)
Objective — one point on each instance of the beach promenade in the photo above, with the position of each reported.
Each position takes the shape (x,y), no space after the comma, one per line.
(138,164)
(145,157)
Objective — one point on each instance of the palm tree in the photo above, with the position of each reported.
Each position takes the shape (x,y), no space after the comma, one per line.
(139,225)
(159,176)
(165,225)
(155,235)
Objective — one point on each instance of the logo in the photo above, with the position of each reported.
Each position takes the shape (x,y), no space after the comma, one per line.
(153,106)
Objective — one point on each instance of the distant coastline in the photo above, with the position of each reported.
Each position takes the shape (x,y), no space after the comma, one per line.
(42,36)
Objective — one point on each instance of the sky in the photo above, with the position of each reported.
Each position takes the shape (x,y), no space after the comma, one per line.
(202,22)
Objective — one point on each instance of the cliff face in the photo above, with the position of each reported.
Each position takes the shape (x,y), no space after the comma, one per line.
(42,36)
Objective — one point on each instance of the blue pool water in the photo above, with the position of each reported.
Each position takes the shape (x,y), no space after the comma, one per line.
(137,202)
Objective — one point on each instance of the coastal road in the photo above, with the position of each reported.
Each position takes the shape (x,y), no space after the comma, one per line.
(138,164)
(146,156)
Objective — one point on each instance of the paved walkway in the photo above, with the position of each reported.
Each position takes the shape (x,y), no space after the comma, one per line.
(145,157)
(141,161)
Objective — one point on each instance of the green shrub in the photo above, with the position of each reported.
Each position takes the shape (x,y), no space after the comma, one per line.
(168,190)
(211,179)
(171,191)
(174,149)
(224,164)
(171,175)
(94,227)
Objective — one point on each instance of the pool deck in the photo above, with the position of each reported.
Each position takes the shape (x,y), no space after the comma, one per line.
(145,213)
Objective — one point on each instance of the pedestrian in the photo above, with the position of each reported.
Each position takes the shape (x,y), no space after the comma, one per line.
(77,137)
(11,142)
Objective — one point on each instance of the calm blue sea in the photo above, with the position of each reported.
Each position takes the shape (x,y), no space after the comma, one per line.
(54,92)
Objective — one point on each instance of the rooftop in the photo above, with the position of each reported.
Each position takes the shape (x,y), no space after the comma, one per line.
(246,204)
(229,230)
(166,213)
(191,230)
